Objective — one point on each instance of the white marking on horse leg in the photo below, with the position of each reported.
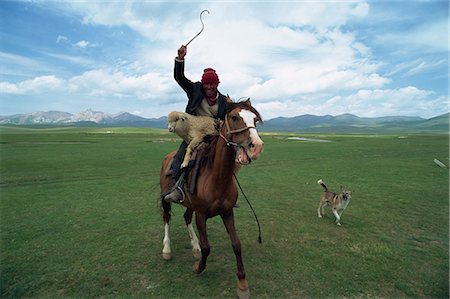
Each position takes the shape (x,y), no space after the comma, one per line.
(194,241)
(166,252)
(319,214)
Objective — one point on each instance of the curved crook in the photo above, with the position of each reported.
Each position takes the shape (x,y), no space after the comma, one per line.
(203,26)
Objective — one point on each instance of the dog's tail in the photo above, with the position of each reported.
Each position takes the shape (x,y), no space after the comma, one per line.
(320,182)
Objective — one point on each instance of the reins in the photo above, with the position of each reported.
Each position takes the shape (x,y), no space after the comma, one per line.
(228,143)
(250,205)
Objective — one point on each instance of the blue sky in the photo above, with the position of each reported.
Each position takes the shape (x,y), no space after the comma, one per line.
(368,58)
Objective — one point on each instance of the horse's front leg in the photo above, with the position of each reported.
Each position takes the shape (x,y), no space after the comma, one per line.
(242,284)
(194,241)
(200,221)
(166,252)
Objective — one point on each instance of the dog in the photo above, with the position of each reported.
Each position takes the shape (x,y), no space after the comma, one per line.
(338,202)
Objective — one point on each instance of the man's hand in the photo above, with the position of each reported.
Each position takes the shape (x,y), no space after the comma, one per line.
(182,52)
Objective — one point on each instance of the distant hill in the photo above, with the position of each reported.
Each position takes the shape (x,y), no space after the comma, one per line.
(348,123)
(84,118)
(48,117)
(344,123)
(438,123)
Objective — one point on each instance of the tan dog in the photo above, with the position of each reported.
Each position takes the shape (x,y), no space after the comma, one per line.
(338,202)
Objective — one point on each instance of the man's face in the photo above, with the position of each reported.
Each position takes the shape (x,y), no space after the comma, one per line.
(210,90)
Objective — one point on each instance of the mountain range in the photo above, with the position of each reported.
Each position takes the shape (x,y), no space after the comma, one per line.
(349,123)
(344,123)
(83,118)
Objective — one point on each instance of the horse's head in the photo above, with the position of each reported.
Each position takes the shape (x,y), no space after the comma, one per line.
(239,129)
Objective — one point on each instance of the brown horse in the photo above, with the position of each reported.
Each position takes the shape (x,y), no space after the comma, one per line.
(215,192)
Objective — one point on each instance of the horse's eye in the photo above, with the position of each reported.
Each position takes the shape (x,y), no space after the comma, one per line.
(234,118)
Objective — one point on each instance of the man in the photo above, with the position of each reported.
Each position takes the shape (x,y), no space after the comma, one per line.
(203,99)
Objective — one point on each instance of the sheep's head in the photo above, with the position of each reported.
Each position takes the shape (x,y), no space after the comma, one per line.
(175,121)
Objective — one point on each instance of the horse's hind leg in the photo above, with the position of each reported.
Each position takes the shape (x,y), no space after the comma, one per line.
(165,183)
(166,252)
(242,285)
(196,251)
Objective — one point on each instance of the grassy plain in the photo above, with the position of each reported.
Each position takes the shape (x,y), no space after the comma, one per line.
(80,218)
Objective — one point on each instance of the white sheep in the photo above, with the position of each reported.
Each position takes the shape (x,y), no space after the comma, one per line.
(192,129)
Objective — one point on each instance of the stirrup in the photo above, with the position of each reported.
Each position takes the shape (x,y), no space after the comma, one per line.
(168,196)
(177,186)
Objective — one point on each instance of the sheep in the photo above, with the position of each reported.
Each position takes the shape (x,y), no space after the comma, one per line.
(192,129)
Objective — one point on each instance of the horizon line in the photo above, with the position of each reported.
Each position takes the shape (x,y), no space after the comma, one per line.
(122,112)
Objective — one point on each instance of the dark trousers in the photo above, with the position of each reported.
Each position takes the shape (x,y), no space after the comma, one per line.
(177,161)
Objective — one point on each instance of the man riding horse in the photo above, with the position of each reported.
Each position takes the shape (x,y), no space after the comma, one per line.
(215,189)
(203,99)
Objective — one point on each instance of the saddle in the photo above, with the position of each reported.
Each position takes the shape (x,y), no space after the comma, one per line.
(192,171)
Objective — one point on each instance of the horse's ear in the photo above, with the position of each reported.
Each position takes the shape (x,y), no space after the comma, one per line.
(229,103)
(248,102)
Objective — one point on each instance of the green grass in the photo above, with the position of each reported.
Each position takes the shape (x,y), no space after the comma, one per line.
(80,218)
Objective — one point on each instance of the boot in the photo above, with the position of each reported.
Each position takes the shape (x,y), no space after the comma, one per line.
(176,194)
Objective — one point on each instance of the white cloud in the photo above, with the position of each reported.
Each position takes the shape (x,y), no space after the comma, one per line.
(150,86)
(82,44)
(19,65)
(279,47)
(266,62)
(61,39)
(380,102)
(425,66)
(9,88)
(364,103)
(78,60)
(106,83)
(40,84)
(429,37)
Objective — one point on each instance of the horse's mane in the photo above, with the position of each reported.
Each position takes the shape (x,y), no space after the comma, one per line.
(207,157)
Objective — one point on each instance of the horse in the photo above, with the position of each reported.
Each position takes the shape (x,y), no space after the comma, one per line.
(238,143)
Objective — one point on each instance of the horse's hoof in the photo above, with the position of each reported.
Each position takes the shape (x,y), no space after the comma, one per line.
(167,256)
(243,290)
(197,254)
(243,294)
(196,267)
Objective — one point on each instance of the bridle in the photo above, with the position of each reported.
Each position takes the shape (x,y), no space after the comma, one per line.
(230,132)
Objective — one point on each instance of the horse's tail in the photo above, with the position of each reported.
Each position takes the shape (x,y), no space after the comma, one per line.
(320,182)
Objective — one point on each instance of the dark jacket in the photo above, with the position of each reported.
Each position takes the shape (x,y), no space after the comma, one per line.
(194,92)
